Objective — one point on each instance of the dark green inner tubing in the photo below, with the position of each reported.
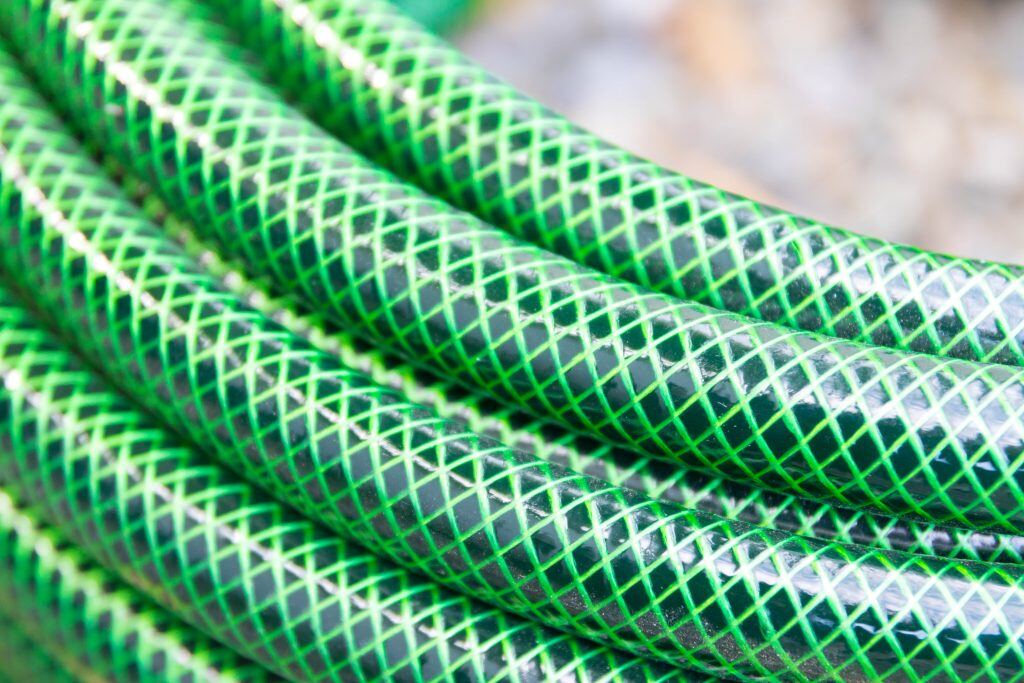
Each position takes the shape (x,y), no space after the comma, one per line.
(405,98)
(533,538)
(904,434)
(648,576)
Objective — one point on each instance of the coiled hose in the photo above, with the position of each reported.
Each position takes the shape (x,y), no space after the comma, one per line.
(678,585)
(97,629)
(236,565)
(905,434)
(405,98)
(816,659)
(687,487)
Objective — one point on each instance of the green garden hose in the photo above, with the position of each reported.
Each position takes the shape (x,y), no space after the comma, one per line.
(239,567)
(688,487)
(23,659)
(407,99)
(905,434)
(570,551)
(97,629)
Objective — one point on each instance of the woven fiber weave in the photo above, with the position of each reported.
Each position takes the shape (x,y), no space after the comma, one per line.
(94,626)
(672,482)
(407,99)
(568,551)
(904,434)
(273,586)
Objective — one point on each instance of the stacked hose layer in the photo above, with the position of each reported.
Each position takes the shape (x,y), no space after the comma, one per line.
(615,566)
(407,99)
(235,565)
(481,561)
(97,629)
(907,434)
(688,487)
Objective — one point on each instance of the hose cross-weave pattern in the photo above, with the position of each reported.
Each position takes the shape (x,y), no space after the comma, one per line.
(688,487)
(654,578)
(407,99)
(679,585)
(910,434)
(323,438)
(99,630)
(275,587)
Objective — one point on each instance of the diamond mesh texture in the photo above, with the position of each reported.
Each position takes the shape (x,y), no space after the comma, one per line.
(905,434)
(570,551)
(274,586)
(95,627)
(688,487)
(410,101)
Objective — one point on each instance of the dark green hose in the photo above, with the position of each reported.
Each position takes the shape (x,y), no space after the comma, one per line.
(407,99)
(904,434)
(688,487)
(235,565)
(570,551)
(96,628)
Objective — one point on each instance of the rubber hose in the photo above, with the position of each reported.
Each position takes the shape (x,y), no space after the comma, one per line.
(319,436)
(679,484)
(651,577)
(274,586)
(905,434)
(22,659)
(407,99)
(98,629)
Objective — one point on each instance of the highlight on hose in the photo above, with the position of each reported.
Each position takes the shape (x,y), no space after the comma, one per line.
(325,355)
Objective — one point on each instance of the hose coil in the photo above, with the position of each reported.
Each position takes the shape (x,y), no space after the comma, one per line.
(648,576)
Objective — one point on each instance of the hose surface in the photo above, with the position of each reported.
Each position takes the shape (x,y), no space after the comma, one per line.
(236,565)
(904,434)
(570,551)
(679,484)
(405,98)
(96,628)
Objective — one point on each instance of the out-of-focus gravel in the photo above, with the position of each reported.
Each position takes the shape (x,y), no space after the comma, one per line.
(900,118)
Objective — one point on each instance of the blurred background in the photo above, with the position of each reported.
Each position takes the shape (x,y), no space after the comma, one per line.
(899,118)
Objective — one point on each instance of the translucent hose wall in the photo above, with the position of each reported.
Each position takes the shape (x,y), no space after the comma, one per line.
(407,99)
(688,487)
(647,576)
(237,566)
(841,504)
(97,628)
(905,434)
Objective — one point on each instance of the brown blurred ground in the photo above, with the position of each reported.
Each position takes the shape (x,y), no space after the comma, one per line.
(901,118)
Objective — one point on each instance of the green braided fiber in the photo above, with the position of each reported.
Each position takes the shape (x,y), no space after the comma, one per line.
(259,399)
(98,629)
(274,586)
(23,660)
(407,99)
(679,484)
(570,551)
(905,434)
